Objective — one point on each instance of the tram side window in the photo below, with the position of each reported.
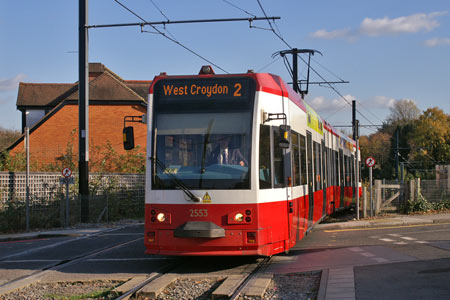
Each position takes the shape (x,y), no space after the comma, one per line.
(303,159)
(278,159)
(295,158)
(265,181)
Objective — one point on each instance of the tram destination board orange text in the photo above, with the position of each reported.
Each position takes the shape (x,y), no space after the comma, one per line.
(229,88)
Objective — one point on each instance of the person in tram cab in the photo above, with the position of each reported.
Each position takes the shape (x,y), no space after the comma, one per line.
(224,154)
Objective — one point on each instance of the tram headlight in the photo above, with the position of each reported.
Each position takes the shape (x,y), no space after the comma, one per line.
(239,217)
(161,217)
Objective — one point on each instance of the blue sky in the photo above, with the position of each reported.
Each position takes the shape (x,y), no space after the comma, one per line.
(388,50)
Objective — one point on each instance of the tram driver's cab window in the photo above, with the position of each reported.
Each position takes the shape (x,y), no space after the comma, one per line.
(271,158)
(265,173)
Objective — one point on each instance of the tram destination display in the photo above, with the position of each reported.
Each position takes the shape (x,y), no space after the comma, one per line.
(203,89)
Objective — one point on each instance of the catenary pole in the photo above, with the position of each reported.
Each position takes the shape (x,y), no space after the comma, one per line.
(83,110)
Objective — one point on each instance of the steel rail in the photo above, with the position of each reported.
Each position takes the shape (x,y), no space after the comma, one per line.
(246,281)
(28,279)
(63,242)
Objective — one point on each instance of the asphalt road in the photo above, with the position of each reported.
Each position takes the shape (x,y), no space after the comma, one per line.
(398,262)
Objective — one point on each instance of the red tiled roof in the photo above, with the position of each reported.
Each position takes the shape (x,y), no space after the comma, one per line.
(40,94)
(104,85)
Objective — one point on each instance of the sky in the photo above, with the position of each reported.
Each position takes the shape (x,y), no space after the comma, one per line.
(387,50)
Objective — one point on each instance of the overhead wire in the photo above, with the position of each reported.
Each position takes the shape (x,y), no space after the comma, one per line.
(269,64)
(317,73)
(167,18)
(237,7)
(169,38)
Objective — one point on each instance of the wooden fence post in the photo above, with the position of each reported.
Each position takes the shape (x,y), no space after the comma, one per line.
(378,196)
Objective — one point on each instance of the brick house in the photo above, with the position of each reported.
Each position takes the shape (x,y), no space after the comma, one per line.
(50,110)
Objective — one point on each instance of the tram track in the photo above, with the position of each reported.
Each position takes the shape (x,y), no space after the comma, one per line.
(47,247)
(232,293)
(22,281)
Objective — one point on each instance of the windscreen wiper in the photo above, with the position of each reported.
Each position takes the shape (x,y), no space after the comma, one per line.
(178,183)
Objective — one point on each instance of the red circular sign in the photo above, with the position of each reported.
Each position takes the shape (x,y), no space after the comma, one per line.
(370,161)
(66,172)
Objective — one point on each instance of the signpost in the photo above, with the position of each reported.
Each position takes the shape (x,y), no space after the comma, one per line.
(370,162)
(67,179)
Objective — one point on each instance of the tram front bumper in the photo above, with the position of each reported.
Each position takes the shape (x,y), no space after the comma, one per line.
(199,230)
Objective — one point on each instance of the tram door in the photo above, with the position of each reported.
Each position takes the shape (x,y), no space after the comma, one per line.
(309,154)
(324,176)
(342,177)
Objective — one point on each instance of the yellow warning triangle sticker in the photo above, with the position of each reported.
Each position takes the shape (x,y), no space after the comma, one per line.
(206,198)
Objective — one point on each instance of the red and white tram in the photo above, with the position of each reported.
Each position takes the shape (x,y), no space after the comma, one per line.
(284,169)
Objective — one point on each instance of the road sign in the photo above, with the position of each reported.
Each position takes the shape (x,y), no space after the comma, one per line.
(66,172)
(370,161)
(66,180)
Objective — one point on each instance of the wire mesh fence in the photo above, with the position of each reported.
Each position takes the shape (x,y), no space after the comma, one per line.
(112,197)
(435,190)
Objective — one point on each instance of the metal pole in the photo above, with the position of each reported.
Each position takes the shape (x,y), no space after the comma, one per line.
(364,202)
(295,70)
(27,179)
(83,110)
(396,155)
(67,202)
(371,191)
(354,118)
(357,169)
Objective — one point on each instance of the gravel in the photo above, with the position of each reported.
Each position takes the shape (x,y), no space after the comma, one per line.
(292,286)
(189,289)
(97,289)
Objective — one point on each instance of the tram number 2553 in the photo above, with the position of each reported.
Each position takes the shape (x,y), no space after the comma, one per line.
(197,213)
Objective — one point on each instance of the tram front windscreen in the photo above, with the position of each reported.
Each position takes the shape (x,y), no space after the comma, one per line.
(202,133)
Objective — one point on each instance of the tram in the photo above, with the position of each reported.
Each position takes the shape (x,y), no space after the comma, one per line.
(285,168)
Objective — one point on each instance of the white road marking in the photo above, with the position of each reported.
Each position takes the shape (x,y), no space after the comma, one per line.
(31,260)
(127,259)
(367,254)
(401,243)
(387,240)
(422,242)
(355,249)
(380,259)
(408,238)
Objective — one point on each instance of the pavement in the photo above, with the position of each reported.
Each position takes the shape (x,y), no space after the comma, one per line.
(338,278)
(391,220)
(373,272)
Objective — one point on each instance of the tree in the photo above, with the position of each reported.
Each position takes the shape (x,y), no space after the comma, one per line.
(430,139)
(7,137)
(403,112)
(377,146)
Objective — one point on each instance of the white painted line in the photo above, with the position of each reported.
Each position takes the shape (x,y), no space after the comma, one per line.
(401,243)
(367,254)
(374,236)
(380,259)
(394,234)
(422,242)
(31,260)
(126,234)
(387,240)
(408,238)
(127,259)
(356,249)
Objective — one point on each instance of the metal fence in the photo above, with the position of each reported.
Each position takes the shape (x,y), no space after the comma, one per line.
(435,190)
(112,197)
(432,195)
